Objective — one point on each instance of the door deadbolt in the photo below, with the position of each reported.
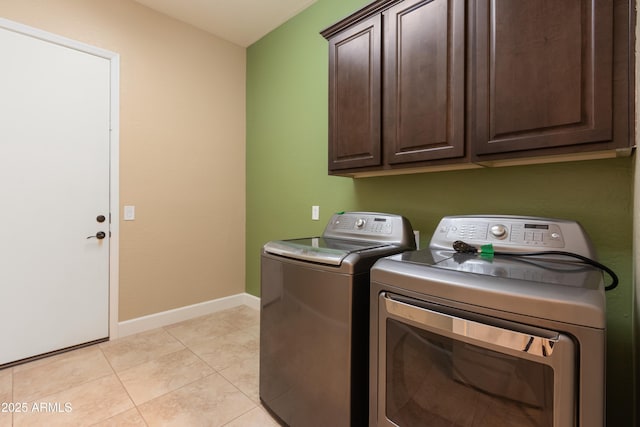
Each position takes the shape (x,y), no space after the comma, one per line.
(99,235)
(100,218)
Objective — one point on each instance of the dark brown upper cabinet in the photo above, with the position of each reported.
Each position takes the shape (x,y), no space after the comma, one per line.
(432,84)
(396,85)
(423,92)
(542,77)
(354,96)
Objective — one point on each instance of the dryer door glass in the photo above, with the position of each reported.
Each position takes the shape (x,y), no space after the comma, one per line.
(444,372)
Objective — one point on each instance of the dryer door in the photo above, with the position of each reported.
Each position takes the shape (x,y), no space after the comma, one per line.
(438,365)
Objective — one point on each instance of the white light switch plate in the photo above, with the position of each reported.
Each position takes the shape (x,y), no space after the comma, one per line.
(129,213)
(315,213)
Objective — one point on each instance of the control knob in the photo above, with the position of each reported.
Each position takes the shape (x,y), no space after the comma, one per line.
(498,231)
(360,222)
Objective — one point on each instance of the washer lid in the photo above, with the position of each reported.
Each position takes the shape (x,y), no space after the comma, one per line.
(319,249)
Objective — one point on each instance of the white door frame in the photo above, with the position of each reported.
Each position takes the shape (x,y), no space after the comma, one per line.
(114,151)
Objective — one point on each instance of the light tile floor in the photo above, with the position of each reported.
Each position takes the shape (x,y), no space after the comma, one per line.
(201,372)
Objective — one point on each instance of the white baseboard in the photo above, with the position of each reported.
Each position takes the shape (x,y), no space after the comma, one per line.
(164,318)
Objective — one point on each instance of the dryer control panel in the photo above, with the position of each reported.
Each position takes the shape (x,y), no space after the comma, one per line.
(513,233)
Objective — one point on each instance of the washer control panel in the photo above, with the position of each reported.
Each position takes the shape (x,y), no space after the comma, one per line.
(370,226)
(512,233)
(362,223)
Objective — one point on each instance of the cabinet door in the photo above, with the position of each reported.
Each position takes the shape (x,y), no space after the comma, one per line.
(424,80)
(542,74)
(354,96)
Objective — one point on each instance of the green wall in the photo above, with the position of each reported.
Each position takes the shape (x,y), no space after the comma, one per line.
(287,174)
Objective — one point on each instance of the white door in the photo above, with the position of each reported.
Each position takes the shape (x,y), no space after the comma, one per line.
(54,184)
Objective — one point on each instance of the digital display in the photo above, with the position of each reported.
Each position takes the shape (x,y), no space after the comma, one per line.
(380,219)
(537,226)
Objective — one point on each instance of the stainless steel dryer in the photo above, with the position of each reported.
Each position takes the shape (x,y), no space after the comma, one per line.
(314,319)
(475,339)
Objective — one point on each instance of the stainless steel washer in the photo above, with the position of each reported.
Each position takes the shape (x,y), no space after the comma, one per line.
(314,319)
(468,339)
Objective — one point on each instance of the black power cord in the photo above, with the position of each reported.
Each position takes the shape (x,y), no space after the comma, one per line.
(465,248)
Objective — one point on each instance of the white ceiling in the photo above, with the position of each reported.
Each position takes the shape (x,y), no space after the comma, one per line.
(239,21)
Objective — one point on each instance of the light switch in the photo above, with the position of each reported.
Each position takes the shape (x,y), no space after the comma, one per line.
(315,213)
(129,213)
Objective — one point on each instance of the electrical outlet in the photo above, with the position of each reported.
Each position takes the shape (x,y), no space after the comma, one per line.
(315,213)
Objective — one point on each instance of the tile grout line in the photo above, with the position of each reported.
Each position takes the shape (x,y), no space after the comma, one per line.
(256,405)
(186,347)
(36,398)
(125,390)
(215,371)
(241,415)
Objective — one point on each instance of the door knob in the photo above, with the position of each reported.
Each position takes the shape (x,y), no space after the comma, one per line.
(99,235)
